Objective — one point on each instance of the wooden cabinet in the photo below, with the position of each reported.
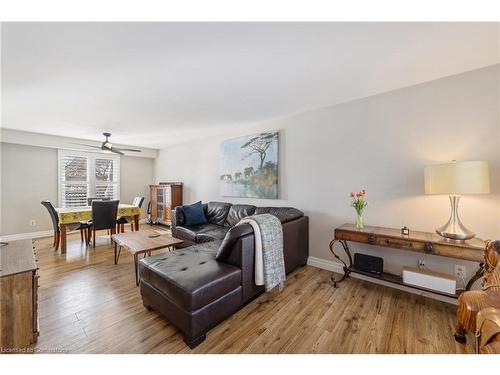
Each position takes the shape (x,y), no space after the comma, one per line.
(18,295)
(164,198)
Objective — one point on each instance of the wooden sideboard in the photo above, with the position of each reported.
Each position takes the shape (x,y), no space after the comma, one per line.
(19,295)
(415,241)
(164,197)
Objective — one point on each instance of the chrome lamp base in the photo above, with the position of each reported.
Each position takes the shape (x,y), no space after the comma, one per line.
(454,230)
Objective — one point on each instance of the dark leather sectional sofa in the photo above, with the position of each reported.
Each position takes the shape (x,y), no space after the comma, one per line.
(212,276)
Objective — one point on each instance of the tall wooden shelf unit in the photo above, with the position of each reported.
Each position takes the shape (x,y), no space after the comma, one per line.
(164,198)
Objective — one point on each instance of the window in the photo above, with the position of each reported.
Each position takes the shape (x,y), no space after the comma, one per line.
(87,174)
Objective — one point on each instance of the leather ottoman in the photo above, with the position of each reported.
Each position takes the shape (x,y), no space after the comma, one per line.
(191,289)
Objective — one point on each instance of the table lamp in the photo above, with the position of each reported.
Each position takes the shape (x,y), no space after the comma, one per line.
(455,179)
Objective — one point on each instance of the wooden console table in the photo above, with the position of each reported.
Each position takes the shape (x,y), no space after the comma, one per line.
(420,242)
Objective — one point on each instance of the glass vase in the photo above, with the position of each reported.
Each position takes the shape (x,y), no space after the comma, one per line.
(359,220)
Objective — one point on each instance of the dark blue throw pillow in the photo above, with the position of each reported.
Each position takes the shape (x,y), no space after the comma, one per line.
(194,214)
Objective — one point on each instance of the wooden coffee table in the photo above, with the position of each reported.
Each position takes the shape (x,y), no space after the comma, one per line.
(141,243)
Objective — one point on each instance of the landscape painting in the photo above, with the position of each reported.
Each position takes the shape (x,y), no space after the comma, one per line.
(249,166)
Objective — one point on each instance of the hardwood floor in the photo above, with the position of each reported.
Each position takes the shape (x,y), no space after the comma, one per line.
(89,305)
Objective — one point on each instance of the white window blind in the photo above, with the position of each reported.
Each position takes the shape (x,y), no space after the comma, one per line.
(84,175)
(106,177)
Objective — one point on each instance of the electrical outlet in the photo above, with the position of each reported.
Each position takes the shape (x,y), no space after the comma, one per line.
(32,223)
(421,263)
(460,271)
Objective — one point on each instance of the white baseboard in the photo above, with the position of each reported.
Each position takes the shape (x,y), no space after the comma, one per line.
(324,264)
(24,236)
(337,267)
(39,234)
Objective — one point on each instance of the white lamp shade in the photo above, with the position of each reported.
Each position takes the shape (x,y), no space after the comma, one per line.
(466,177)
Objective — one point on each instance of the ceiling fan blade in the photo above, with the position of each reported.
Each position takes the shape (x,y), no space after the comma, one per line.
(116,151)
(83,144)
(106,146)
(127,149)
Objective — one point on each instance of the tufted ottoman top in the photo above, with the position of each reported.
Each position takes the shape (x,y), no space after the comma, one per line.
(191,277)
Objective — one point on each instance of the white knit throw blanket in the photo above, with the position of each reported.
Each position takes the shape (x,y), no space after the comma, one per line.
(269,260)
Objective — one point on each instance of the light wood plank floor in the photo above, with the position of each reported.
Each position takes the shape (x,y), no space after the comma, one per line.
(89,305)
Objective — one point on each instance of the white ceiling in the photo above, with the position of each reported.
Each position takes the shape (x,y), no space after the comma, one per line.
(153,84)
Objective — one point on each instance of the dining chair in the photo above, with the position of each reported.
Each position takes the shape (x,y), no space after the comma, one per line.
(90,200)
(55,224)
(120,223)
(103,217)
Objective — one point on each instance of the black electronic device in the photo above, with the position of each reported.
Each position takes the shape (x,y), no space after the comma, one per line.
(368,263)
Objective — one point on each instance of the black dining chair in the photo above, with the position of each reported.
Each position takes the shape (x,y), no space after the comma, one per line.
(90,200)
(120,223)
(55,224)
(103,217)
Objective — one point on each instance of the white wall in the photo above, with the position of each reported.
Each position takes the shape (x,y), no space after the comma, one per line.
(380,143)
(136,176)
(29,175)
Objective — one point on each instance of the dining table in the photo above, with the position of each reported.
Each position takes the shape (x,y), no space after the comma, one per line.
(72,215)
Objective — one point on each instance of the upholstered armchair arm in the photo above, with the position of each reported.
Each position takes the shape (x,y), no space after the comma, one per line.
(177,219)
(228,251)
(471,302)
(238,249)
(488,330)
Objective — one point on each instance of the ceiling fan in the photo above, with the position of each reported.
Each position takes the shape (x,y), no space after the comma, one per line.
(108,146)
